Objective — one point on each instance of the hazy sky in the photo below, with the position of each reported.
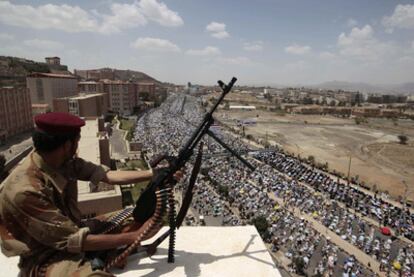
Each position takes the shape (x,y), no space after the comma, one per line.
(260,42)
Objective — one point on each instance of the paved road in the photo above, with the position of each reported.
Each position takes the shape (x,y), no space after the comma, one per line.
(118,145)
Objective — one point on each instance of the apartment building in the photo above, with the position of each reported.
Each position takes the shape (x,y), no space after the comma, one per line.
(123,96)
(89,87)
(44,87)
(15,112)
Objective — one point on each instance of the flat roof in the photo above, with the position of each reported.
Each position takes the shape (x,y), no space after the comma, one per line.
(51,75)
(242,107)
(85,96)
(40,105)
(207,251)
(87,83)
(200,251)
(89,151)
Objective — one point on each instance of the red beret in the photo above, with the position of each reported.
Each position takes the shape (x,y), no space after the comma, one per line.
(59,123)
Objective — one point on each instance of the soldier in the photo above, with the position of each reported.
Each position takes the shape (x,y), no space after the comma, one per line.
(39,218)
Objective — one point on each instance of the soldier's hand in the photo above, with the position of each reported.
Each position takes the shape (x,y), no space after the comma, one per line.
(178,175)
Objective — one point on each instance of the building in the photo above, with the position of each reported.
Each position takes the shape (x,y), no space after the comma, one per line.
(236,107)
(367,112)
(53,63)
(96,200)
(53,60)
(308,109)
(146,91)
(40,108)
(15,112)
(83,105)
(123,96)
(386,99)
(90,87)
(44,87)
(390,113)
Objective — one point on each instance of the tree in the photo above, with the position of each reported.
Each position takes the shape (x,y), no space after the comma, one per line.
(223,190)
(311,159)
(403,139)
(261,224)
(299,265)
(307,101)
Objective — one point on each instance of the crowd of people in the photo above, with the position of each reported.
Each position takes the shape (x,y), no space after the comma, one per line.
(273,191)
(368,205)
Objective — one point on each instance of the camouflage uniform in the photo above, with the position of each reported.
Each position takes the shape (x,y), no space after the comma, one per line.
(39,218)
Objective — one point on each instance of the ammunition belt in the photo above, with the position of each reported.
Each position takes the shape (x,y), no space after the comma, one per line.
(148,227)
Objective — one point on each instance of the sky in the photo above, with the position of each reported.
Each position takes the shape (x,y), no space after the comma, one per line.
(261,42)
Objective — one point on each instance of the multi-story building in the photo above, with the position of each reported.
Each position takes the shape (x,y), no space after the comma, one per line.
(84,105)
(146,91)
(44,87)
(123,96)
(90,87)
(15,112)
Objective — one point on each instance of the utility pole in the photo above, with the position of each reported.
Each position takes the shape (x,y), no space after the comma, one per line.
(405,200)
(267,140)
(349,168)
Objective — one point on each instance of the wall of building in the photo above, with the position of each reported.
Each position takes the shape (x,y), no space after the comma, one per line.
(104,154)
(44,89)
(15,111)
(61,105)
(122,96)
(88,107)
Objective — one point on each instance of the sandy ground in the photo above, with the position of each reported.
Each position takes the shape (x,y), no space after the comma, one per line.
(376,156)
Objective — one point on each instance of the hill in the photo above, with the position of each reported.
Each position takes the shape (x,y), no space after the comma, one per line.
(404,88)
(13,70)
(115,74)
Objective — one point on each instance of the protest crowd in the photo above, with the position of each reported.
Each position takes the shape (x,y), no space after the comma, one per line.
(276,194)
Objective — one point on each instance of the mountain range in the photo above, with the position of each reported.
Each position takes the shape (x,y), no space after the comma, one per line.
(404,88)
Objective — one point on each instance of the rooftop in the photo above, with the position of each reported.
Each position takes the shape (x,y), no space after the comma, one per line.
(40,105)
(200,251)
(85,96)
(50,75)
(89,151)
(87,83)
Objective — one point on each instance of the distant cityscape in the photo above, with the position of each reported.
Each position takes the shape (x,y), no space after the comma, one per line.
(29,88)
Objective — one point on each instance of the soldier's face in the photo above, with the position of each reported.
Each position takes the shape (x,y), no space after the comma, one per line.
(71,149)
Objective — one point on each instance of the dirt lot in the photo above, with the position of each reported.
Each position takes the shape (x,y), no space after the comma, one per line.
(376,156)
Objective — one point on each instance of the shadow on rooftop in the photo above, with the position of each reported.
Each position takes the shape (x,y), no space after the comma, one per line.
(190,261)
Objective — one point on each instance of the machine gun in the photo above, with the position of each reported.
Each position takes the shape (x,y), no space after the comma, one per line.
(153,202)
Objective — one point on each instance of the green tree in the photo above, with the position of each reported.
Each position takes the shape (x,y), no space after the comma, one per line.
(223,190)
(299,265)
(261,224)
(403,139)
(311,159)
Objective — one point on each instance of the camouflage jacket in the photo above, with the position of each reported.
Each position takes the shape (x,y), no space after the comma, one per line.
(38,209)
